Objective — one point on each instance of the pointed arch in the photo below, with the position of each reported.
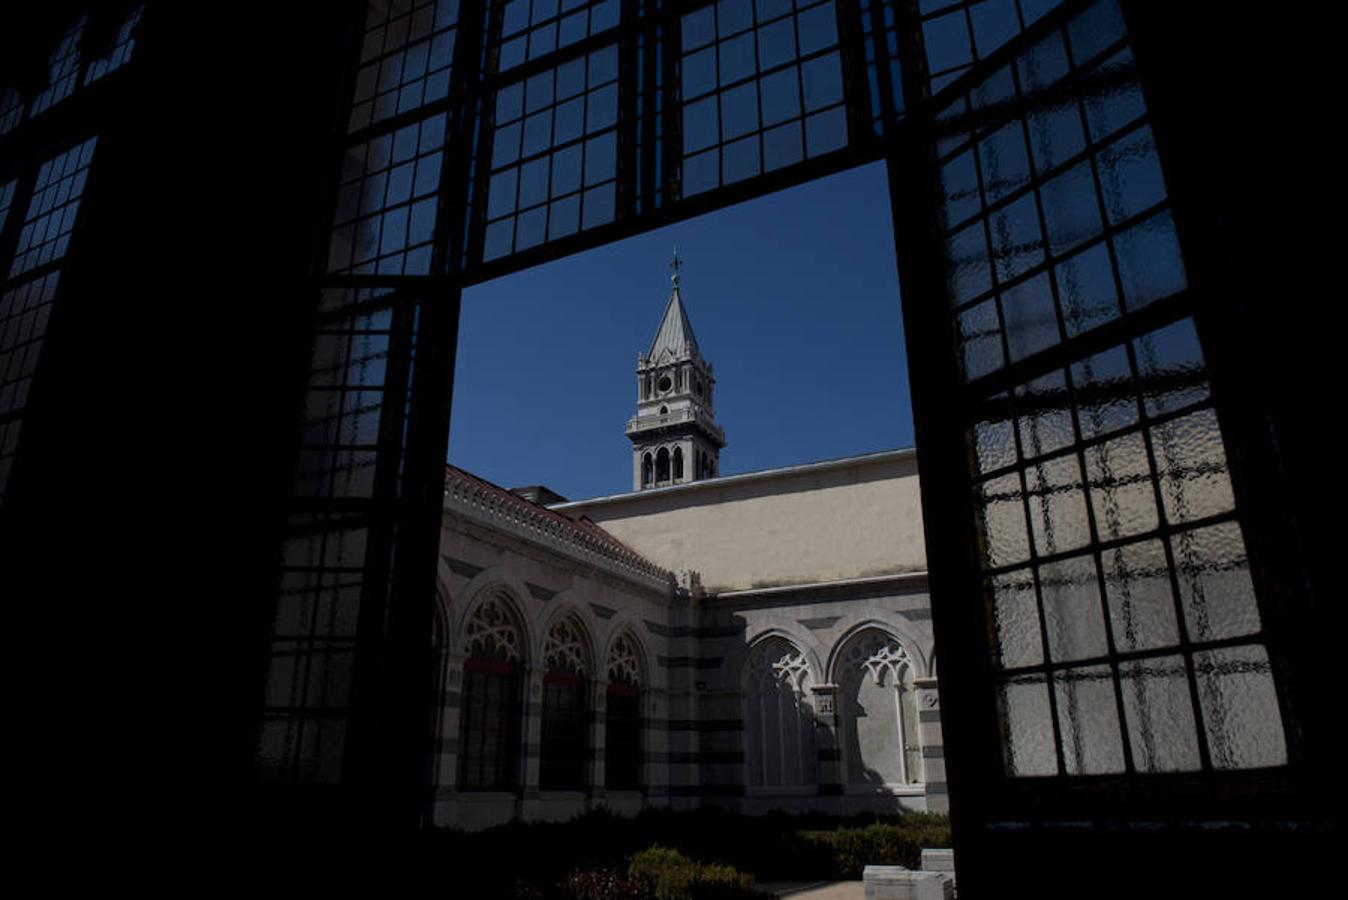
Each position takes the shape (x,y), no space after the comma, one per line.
(662,465)
(505,586)
(625,668)
(678,464)
(774,625)
(647,469)
(568,666)
(775,681)
(494,643)
(877,708)
(853,624)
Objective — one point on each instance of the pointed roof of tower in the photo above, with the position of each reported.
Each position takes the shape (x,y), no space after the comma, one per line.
(675,330)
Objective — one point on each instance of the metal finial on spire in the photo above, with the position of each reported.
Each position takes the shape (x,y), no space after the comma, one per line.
(675,264)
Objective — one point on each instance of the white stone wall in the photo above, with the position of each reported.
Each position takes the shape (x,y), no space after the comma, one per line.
(542,584)
(821,622)
(835,520)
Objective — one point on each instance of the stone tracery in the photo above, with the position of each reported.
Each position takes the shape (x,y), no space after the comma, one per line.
(564,649)
(492,633)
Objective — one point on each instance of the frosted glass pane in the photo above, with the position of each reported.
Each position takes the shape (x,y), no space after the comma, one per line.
(1045,416)
(330,674)
(1016,615)
(1170,365)
(1031,323)
(1159,713)
(1150,264)
(993,441)
(1122,495)
(1003,521)
(970,274)
(1027,727)
(1240,708)
(1057,505)
(1214,583)
(1088,720)
(981,340)
(1076,624)
(1006,167)
(1141,609)
(1192,466)
(1105,397)
(1086,290)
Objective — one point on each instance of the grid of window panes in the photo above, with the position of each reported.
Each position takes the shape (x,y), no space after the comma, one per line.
(554,154)
(120,53)
(63,71)
(880,41)
(308,689)
(11,109)
(383,225)
(1043,209)
(385,216)
(6,200)
(405,58)
(24,310)
(649,152)
(309,681)
(762,88)
(957,33)
(46,230)
(534,28)
(344,400)
(1127,633)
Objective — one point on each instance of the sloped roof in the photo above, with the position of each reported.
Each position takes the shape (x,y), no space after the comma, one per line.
(580,530)
(675,330)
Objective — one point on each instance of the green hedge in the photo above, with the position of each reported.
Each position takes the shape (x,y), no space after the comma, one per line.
(849,850)
(546,858)
(666,874)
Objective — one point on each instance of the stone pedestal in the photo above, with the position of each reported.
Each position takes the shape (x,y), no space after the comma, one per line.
(898,883)
(939,860)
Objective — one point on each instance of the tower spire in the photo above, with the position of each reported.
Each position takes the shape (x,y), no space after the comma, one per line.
(675,438)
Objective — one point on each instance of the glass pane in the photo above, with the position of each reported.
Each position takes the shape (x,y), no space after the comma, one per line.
(1028,736)
(1159,712)
(1045,420)
(1191,463)
(1214,582)
(1089,722)
(1240,708)
(1141,609)
(1003,521)
(1016,615)
(1072,611)
(1122,492)
(1057,505)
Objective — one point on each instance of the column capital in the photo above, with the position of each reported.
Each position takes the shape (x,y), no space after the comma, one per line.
(825,707)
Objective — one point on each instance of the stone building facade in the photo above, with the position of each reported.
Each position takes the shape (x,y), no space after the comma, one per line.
(758,641)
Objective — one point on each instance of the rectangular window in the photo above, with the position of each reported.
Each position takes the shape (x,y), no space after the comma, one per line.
(50,219)
(488,736)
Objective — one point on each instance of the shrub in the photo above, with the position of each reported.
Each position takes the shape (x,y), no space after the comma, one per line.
(851,849)
(666,874)
(599,884)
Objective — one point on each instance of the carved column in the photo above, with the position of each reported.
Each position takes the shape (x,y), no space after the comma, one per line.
(933,744)
(533,740)
(595,777)
(654,767)
(445,736)
(828,746)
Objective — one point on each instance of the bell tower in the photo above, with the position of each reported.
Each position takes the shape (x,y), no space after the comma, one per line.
(675,438)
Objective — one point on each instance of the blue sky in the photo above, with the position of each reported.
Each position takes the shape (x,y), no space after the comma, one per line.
(794,301)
